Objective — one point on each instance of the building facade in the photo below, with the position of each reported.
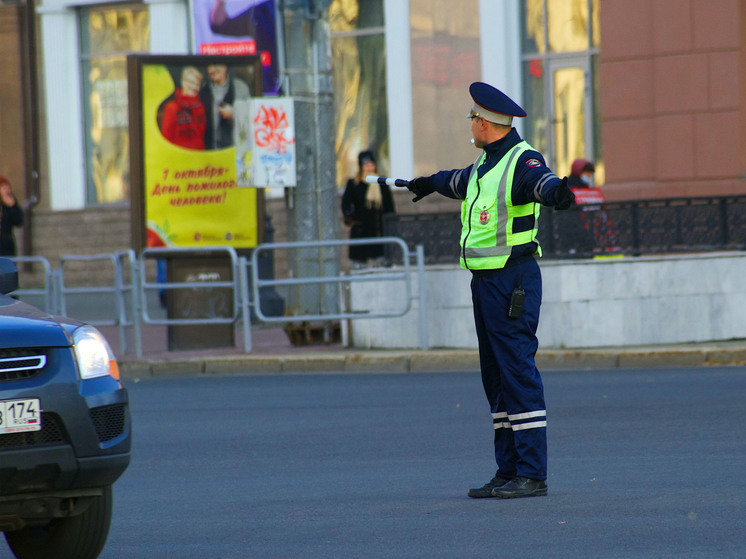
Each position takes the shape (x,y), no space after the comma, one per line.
(673,102)
(651,90)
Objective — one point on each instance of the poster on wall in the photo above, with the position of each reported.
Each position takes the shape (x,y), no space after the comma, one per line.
(190,147)
(273,149)
(239,27)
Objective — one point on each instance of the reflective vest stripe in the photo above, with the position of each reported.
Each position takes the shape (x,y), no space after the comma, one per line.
(485,252)
(505,196)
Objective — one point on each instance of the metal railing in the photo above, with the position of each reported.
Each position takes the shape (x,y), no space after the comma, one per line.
(47,291)
(666,226)
(201,286)
(390,274)
(130,292)
(659,226)
(119,292)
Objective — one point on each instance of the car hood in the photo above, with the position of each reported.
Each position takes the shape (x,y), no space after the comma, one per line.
(23,325)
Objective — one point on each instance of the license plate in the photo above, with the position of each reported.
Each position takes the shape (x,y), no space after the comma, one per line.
(17,416)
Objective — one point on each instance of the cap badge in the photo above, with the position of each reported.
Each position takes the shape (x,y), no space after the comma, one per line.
(484,217)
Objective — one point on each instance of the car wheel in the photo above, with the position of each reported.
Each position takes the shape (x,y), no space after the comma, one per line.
(77,537)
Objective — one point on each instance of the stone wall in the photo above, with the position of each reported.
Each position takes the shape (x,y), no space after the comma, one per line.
(676,87)
(586,304)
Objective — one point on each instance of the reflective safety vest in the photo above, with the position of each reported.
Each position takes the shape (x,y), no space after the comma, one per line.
(488,215)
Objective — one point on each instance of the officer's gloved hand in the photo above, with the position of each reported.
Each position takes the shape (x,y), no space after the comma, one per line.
(420,187)
(564,196)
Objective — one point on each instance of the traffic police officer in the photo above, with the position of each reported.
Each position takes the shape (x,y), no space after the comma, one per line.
(502,192)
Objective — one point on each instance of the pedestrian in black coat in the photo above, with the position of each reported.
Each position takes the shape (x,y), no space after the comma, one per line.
(363,208)
(12,216)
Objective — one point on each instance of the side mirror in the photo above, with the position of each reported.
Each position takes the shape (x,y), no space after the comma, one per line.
(8,276)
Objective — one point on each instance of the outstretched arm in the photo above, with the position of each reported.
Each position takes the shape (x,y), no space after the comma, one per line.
(451,184)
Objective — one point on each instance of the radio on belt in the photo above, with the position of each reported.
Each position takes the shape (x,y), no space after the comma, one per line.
(516,302)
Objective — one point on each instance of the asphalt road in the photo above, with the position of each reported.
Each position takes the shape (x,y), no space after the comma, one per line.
(643,463)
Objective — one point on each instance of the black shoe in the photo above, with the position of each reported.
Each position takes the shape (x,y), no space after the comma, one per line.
(486,489)
(521,487)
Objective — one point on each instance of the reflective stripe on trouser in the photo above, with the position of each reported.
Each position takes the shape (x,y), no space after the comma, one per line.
(511,381)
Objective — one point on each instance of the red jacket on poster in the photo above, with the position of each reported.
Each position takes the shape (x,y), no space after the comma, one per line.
(184,121)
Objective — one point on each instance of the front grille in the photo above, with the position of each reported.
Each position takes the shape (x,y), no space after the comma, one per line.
(20,364)
(52,432)
(109,421)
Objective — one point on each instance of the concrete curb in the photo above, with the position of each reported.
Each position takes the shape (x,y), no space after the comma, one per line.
(578,359)
(436,360)
(732,356)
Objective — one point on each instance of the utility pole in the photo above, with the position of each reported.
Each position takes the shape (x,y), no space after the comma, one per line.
(312,204)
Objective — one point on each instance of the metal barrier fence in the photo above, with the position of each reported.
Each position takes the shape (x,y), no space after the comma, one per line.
(48,291)
(130,291)
(672,225)
(193,286)
(391,274)
(56,292)
(119,292)
(201,287)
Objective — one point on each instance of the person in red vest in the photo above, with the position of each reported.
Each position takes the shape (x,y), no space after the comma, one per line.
(594,218)
(580,182)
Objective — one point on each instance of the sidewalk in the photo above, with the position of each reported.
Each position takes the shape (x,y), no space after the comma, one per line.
(272,352)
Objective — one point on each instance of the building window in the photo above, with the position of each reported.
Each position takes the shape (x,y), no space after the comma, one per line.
(107,35)
(445,59)
(359,62)
(560,44)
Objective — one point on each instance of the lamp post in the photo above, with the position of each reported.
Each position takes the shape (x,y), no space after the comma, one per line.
(313,202)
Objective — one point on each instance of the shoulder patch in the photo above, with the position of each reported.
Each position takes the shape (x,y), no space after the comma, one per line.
(533,163)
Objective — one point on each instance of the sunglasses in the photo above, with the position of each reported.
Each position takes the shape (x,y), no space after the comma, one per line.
(472,114)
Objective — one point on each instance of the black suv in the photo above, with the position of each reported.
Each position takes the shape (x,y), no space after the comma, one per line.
(64,430)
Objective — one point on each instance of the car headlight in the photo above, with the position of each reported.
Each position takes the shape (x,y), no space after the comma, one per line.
(95,358)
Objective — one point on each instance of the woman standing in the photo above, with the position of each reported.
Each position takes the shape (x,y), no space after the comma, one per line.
(363,207)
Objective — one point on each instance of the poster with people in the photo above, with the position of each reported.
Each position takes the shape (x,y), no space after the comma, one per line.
(189,151)
(239,27)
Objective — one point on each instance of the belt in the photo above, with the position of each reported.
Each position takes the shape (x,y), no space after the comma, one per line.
(509,264)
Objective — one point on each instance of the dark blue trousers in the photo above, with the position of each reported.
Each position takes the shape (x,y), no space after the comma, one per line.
(507,347)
